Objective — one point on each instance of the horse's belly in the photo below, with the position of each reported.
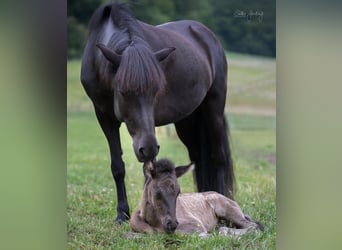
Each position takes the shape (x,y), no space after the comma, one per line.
(179,102)
(171,114)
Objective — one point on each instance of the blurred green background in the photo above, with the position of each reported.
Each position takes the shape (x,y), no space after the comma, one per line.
(242,26)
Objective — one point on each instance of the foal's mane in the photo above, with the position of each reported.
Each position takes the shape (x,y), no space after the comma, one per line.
(139,71)
(162,166)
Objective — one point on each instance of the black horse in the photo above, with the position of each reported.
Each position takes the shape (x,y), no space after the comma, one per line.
(149,76)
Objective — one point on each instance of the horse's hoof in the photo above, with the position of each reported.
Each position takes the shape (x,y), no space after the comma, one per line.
(121,219)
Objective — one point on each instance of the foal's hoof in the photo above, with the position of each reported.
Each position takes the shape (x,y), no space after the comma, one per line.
(247,217)
(258,224)
(203,235)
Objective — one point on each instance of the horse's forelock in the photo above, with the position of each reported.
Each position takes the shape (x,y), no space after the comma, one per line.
(139,71)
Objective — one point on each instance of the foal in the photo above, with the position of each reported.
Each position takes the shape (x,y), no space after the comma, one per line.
(162,209)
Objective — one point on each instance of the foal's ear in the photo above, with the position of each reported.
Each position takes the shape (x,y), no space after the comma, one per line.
(163,53)
(111,56)
(180,170)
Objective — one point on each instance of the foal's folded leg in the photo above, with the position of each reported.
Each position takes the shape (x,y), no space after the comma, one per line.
(230,211)
(139,225)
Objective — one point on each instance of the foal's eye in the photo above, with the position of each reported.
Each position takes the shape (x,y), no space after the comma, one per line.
(158,195)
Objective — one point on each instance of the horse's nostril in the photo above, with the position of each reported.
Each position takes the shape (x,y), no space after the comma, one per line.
(141,151)
(149,152)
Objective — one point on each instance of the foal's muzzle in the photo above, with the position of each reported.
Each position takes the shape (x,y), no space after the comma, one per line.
(170,226)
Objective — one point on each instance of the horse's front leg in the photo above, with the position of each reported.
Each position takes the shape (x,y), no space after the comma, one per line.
(110,127)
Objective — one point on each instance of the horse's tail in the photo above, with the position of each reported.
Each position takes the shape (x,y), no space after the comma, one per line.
(212,174)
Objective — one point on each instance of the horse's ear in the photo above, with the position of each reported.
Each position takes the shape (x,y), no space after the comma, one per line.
(180,170)
(163,53)
(111,56)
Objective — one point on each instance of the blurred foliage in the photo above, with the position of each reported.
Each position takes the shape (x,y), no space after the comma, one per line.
(241,25)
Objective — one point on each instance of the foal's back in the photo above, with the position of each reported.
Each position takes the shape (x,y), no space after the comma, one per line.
(200,212)
(195,213)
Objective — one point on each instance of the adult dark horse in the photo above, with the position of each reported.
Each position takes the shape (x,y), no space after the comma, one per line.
(147,76)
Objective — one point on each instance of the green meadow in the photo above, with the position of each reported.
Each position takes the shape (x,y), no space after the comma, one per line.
(91,194)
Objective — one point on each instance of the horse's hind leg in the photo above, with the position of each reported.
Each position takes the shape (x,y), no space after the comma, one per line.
(189,130)
(219,168)
(110,128)
(206,139)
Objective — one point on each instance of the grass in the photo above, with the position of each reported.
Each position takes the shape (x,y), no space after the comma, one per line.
(251,81)
(91,197)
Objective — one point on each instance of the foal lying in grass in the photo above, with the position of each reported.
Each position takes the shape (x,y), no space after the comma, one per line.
(164,209)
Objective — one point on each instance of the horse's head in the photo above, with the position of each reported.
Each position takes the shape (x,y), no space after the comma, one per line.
(161,191)
(137,82)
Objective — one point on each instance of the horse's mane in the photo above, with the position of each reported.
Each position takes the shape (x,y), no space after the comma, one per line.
(119,12)
(124,18)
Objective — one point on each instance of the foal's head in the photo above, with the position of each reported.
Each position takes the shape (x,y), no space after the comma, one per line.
(161,191)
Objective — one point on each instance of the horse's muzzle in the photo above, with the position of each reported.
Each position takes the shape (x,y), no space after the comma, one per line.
(149,153)
(147,149)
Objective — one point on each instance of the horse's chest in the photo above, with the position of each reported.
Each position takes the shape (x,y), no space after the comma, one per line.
(102,99)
